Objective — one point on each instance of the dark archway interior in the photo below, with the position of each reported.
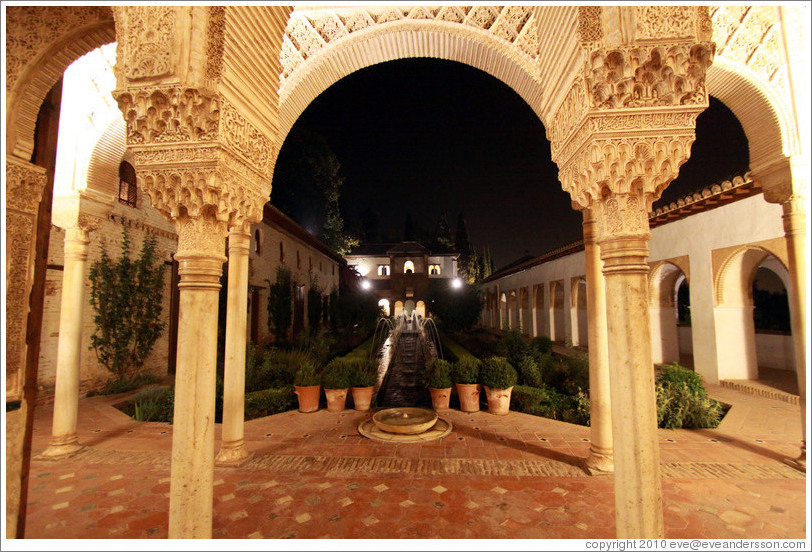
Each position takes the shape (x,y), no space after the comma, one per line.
(423,137)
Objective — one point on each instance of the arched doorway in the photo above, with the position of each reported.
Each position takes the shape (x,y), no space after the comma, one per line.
(665,282)
(771,318)
(541,319)
(557,325)
(384,305)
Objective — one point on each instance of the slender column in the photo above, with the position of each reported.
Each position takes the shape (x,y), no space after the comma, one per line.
(794,230)
(623,241)
(600,459)
(531,298)
(64,441)
(232,450)
(200,258)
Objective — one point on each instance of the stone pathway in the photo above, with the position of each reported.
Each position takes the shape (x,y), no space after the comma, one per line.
(515,476)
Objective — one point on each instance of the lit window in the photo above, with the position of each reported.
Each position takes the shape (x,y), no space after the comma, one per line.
(408,267)
(383,270)
(434,270)
(409,292)
(127,188)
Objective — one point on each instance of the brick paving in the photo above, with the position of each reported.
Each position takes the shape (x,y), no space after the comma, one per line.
(515,476)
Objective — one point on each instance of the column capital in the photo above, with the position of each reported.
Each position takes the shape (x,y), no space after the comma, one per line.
(628,119)
(24,185)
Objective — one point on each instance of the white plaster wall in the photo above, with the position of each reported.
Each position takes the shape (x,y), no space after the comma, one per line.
(745,221)
(775,351)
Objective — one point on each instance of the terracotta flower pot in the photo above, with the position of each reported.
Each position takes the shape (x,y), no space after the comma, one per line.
(362,397)
(498,400)
(469,396)
(440,398)
(308,397)
(336,399)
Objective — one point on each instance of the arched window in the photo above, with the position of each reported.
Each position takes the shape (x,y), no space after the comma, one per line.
(434,270)
(127,187)
(408,267)
(383,270)
(256,241)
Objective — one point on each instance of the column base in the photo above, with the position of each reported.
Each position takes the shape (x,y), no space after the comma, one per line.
(61,450)
(599,463)
(232,455)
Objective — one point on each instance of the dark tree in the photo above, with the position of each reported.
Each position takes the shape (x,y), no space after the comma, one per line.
(442,234)
(370,225)
(466,262)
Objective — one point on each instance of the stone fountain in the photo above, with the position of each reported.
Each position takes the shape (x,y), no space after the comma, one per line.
(405,425)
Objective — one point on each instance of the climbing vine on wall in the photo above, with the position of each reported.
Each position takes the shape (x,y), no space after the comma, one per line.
(127,300)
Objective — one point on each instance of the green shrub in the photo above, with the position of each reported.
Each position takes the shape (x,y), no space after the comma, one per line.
(338,374)
(530,372)
(576,409)
(497,373)
(465,370)
(537,401)
(155,404)
(576,373)
(682,401)
(269,401)
(307,374)
(542,344)
(437,374)
(365,373)
(513,346)
(280,301)
(126,301)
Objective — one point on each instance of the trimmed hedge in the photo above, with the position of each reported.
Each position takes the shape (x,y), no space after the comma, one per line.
(269,401)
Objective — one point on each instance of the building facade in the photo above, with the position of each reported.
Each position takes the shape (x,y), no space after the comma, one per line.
(401,275)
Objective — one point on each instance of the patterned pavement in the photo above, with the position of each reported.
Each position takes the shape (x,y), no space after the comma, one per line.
(515,476)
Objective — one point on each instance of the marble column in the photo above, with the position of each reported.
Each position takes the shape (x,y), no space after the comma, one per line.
(64,441)
(232,450)
(623,240)
(191,493)
(600,459)
(795,230)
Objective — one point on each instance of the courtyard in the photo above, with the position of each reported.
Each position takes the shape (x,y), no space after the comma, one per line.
(517,476)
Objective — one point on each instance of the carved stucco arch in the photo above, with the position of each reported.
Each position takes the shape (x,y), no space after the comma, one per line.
(27,87)
(733,281)
(771,132)
(398,40)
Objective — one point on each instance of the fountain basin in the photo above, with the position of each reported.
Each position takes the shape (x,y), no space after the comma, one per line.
(405,420)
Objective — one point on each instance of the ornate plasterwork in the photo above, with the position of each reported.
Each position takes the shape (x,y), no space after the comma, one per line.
(659,22)
(216,42)
(30,30)
(168,115)
(310,31)
(589,24)
(640,165)
(649,76)
(146,46)
(24,185)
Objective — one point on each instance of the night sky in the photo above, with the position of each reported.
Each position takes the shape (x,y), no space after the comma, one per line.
(427,137)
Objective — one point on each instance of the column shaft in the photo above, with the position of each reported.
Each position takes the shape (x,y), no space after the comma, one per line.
(192,471)
(794,230)
(232,451)
(600,403)
(638,488)
(66,399)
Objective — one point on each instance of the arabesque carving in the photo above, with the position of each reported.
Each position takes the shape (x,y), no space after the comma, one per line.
(24,185)
(659,22)
(32,29)
(308,32)
(146,48)
(216,42)
(589,24)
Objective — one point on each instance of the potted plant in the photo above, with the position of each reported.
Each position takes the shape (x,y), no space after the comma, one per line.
(307,385)
(465,375)
(437,379)
(498,377)
(363,385)
(336,380)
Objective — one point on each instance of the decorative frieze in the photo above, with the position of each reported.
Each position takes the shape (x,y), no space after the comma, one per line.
(216,42)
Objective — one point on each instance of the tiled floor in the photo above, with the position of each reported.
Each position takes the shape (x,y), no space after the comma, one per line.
(515,476)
